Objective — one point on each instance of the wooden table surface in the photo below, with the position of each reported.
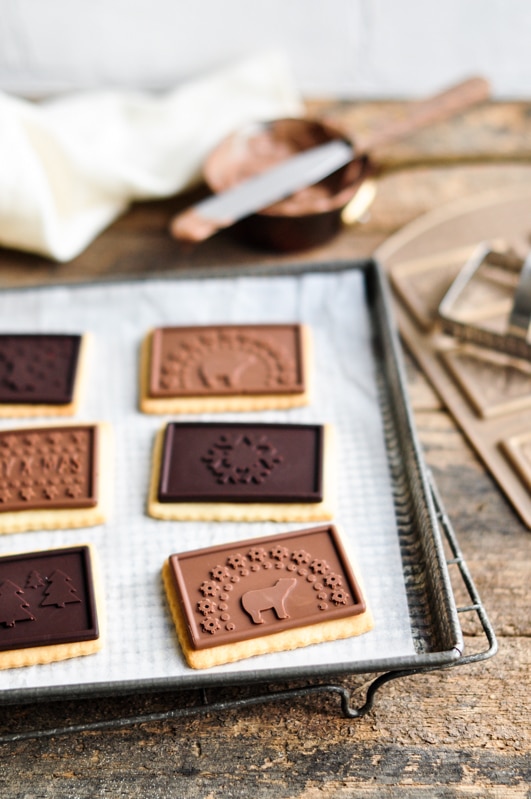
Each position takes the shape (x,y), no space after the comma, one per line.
(463,732)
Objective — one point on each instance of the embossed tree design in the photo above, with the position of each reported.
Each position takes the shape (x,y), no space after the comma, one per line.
(60,591)
(34,580)
(13,605)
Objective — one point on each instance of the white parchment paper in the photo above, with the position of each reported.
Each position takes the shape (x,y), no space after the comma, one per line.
(140,641)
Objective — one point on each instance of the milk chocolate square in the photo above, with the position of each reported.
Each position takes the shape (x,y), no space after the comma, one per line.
(52,467)
(46,598)
(224,367)
(54,477)
(241,462)
(38,368)
(265,594)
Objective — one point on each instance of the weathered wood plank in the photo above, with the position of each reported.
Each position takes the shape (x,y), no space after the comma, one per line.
(458,731)
(497,131)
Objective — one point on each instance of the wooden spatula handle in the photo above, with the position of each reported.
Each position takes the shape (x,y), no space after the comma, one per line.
(434,109)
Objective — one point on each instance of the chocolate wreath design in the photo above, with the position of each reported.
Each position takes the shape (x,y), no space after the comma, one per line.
(242,458)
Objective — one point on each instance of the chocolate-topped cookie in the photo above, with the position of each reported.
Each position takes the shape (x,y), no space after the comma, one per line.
(224,367)
(41,374)
(48,606)
(242,471)
(54,477)
(264,595)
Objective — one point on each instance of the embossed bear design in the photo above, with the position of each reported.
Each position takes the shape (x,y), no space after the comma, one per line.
(272,598)
(225,369)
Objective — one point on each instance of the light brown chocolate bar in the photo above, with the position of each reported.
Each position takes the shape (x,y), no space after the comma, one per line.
(54,477)
(225,368)
(262,595)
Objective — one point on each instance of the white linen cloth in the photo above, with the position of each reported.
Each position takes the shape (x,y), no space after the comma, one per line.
(70,166)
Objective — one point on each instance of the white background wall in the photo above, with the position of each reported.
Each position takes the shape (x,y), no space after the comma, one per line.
(345,48)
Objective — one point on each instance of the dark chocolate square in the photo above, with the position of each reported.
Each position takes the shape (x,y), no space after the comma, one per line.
(238,591)
(214,360)
(48,467)
(38,369)
(241,462)
(47,598)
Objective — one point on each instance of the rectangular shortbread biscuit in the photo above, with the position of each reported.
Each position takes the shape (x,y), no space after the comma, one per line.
(238,471)
(42,374)
(263,595)
(55,477)
(213,368)
(50,606)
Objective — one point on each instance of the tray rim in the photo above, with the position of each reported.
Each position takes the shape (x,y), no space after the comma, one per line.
(198,680)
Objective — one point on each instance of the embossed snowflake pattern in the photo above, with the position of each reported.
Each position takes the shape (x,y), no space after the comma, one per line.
(319,566)
(242,458)
(26,493)
(206,606)
(79,441)
(73,491)
(339,597)
(333,580)
(209,588)
(257,554)
(279,553)
(210,625)
(237,561)
(301,557)
(220,573)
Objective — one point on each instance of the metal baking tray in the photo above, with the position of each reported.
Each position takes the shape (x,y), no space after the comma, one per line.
(426,541)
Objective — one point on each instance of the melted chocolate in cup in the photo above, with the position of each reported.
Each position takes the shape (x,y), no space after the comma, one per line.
(308,217)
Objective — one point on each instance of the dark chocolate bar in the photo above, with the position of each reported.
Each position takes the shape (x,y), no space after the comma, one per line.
(38,369)
(241,462)
(47,598)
